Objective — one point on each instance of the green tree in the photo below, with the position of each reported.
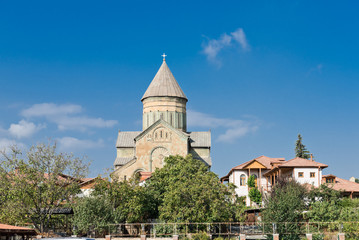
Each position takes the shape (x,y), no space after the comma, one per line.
(130,201)
(284,206)
(300,149)
(185,190)
(324,204)
(37,183)
(357,180)
(254,194)
(92,213)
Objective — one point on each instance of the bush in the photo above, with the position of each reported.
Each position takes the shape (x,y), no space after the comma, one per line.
(255,195)
(200,236)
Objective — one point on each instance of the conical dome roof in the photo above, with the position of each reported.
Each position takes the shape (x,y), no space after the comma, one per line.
(164,84)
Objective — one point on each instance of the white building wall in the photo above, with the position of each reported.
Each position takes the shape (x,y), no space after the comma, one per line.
(306,176)
(235,178)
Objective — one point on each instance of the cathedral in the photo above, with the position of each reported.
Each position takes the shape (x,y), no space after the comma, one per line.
(164,131)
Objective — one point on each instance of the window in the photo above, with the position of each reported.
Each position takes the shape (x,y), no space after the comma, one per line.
(243,180)
(255,180)
(312,174)
(300,174)
(329,180)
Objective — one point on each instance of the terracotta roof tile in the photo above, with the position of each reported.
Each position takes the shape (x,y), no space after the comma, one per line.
(342,184)
(16,230)
(301,162)
(264,160)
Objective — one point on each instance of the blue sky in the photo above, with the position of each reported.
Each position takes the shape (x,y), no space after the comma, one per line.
(256,73)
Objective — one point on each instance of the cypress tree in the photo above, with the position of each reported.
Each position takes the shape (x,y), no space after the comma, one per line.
(300,149)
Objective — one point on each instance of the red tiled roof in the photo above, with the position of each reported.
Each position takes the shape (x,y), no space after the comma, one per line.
(86,179)
(145,175)
(342,184)
(16,230)
(264,160)
(301,162)
(5,226)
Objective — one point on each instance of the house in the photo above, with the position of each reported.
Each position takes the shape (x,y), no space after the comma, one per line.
(267,170)
(16,232)
(87,186)
(347,187)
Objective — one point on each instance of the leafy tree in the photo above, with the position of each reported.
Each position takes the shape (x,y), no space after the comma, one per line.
(300,149)
(324,204)
(37,183)
(254,194)
(285,204)
(130,201)
(251,181)
(357,180)
(92,213)
(184,190)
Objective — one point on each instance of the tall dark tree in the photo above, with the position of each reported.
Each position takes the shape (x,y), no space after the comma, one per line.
(300,149)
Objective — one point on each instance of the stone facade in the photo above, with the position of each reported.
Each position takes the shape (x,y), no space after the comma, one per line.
(164,130)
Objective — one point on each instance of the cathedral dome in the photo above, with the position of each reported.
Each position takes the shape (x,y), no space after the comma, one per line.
(164,84)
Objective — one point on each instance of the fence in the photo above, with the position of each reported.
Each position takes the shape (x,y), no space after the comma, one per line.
(231,229)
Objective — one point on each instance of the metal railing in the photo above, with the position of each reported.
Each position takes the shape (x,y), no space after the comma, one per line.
(229,229)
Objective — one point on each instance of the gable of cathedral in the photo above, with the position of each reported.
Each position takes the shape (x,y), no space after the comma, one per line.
(159,141)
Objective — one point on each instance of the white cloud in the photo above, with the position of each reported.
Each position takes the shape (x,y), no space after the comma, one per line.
(212,48)
(66,116)
(24,129)
(234,128)
(82,123)
(71,143)
(51,109)
(6,144)
(240,37)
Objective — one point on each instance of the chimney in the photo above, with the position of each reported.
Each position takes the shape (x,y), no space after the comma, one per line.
(311,157)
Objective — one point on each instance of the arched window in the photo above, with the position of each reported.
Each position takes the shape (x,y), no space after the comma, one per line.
(243,180)
(255,179)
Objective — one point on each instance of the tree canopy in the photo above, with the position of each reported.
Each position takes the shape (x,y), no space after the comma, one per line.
(185,190)
(36,183)
(285,204)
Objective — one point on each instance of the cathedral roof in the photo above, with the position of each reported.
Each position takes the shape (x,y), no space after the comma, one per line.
(164,84)
(127,139)
(200,139)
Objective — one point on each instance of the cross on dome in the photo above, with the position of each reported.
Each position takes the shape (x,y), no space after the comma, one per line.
(164,56)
